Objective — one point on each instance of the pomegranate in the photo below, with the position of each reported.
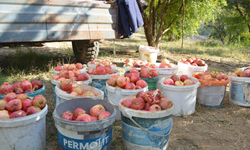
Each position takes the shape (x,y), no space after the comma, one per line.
(72,67)
(179,83)
(39,101)
(73,93)
(93,62)
(104,115)
(18,114)
(147,106)
(175,77)
(58,68)
(163,66)
(88,94)
(66,85)
(17,85)
(141,83)
(36,84)
(145,73)
(96,110)
(90,71)
(121,81)
(65,66)
(78,90)
(188,82)
(94,118)
(64,74)
(100,70)
(25,85)
(83,118)
(82,77)
(128,75)
(14,105)
(76,72)
(79,66)
(221,75)
(154,107)
(56,77)
(165,61)
(10,96)
(18,91)
(26,104)
(133,70)
(6,88)
(165,103)
(61,79)
(208,77)
(22,97)
(112,81)
(153,73)
(28,91)
(169,82)
(137,104)
(152,66)
(130,86)
(137,87)
(2,104)
(4,114)
(141,94)
(184,77)
(68,115)
(71,74)
(78,112)
(126,103)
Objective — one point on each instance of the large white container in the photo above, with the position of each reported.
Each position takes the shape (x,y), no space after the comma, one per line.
(115,95)
(239,90)
(25,133)
(190,70)
(184,97)
(148,53)
(83,70)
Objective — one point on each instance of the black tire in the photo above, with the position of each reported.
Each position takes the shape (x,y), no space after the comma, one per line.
(85,51)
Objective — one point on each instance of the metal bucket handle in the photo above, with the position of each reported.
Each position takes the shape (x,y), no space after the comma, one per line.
(130,117)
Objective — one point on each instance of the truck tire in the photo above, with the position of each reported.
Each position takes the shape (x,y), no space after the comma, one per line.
(85,50)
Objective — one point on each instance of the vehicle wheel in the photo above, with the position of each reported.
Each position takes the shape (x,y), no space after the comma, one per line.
(85,50)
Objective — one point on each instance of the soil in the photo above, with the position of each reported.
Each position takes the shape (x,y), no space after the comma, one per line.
(225,128)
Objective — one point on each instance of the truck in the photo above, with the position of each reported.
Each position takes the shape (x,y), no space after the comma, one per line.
(82,22)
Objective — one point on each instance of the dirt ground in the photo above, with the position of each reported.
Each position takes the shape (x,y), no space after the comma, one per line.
(226,128)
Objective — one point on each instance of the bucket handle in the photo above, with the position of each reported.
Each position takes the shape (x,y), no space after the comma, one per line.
(130,117)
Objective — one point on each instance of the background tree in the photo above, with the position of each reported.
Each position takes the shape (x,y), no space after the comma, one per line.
(163,16)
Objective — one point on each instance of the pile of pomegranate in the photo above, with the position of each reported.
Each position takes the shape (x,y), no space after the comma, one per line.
(240,72)
(97,112)
(148,101)
(69,67)
(74,75)
(193,62)
(211,76)
(104,62)
(178,81)
(16,106)
(102,69)
(146,73)
(164,64)
(67,86)
(20,87)
(130,81)
(136,64)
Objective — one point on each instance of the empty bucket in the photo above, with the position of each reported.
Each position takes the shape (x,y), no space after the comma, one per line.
(145,130)
(74,135)
(148,53)
(24,133)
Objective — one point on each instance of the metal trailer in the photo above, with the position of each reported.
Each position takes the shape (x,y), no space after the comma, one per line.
(82,22)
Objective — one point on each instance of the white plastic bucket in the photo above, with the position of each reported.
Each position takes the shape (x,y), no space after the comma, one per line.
(148,53)
(75,135)
(190,70)
(184,97)
(24,133)
(83,70)
(62,96)
(145,130)
(211,96)
(55,82)
(115,95)
(239,90)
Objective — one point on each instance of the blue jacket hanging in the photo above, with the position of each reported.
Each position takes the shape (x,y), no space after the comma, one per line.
(130,18)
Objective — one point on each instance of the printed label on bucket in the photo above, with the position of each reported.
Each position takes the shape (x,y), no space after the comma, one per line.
(139,137)
(99,143)
(240,92)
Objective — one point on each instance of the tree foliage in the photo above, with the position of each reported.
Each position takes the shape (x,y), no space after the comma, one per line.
(164,17)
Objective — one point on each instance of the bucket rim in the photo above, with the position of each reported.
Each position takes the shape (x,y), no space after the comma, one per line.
(104,77)
(239,79)
(76,124)
(180,88)
(143,114)
(55,82)
(22,121)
